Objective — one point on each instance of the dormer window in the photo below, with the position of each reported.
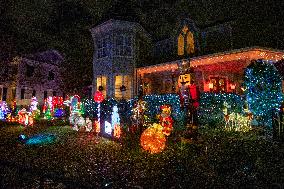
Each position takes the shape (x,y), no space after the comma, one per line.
(123,46)
(30,71)
(185,42)
(50,75)
(102,45)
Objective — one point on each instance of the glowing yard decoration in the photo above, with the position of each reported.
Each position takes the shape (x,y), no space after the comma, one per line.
(108,128)
(35,112)
(98,97)
(39,139)
(3,110)
(75,119)
(115,122)
(24,117)
(117,131)
(238,122)
(153,140)
(262,84)
(88,125)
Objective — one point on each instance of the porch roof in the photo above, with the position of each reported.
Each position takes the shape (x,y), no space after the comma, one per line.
(228,57)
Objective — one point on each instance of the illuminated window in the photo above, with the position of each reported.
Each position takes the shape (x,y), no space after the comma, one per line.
(123,87)
(180,44)
(185,41)
(102,82)
(219,84)
(103,45)
(123,46)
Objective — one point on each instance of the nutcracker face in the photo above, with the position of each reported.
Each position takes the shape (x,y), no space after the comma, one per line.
(184,79)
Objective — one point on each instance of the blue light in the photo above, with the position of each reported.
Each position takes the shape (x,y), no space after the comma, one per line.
(41,139)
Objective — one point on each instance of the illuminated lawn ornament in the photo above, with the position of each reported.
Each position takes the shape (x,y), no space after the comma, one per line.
(24,117)
(98,97)
(4,110)
(39,139)
(12,115)
(108,128)
(115,122)
(76,119)
(153,140)
(34,111)
(166,120)
(238,122)
(88,125)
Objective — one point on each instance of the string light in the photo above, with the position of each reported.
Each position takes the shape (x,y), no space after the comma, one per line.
(241,54)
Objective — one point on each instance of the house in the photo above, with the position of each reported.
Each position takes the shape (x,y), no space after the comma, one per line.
(122,49)
(31,75)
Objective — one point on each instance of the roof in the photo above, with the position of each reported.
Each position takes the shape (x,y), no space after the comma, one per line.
(251,53)
(49,56)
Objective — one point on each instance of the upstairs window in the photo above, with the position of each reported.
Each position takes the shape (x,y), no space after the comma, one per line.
(185,42)
(123,46)
(30,71)
(45,95)
(102,84)
(22,93)
(103,45)
(50,75)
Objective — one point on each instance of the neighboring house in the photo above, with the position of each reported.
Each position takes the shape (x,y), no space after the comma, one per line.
(121,49)
(32,75)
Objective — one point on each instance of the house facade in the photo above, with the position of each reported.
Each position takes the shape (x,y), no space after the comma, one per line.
(121,49)
(32,75)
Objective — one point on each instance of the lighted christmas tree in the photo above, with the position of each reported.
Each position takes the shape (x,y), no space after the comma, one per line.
(262,85)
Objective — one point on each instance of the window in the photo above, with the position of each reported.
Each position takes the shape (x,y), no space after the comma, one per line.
(13,93)
(34,93)
(50,76)
(123,46)
(1,93)
(102,81)
(103,45)
(185,42)
(45,95)
(218,84)
(4,98)
(123,86)
(22,93)
(30,71)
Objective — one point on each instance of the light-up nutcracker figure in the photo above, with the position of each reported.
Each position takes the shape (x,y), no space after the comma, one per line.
(184,82)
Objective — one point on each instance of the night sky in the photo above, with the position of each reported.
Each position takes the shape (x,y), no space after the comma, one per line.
(31,26)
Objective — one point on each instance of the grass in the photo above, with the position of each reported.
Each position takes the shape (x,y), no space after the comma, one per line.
(83,160)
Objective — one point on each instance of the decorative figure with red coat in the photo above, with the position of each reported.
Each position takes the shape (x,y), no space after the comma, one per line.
(194,98)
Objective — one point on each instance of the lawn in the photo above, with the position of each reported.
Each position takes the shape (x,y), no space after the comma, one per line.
(83,160)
